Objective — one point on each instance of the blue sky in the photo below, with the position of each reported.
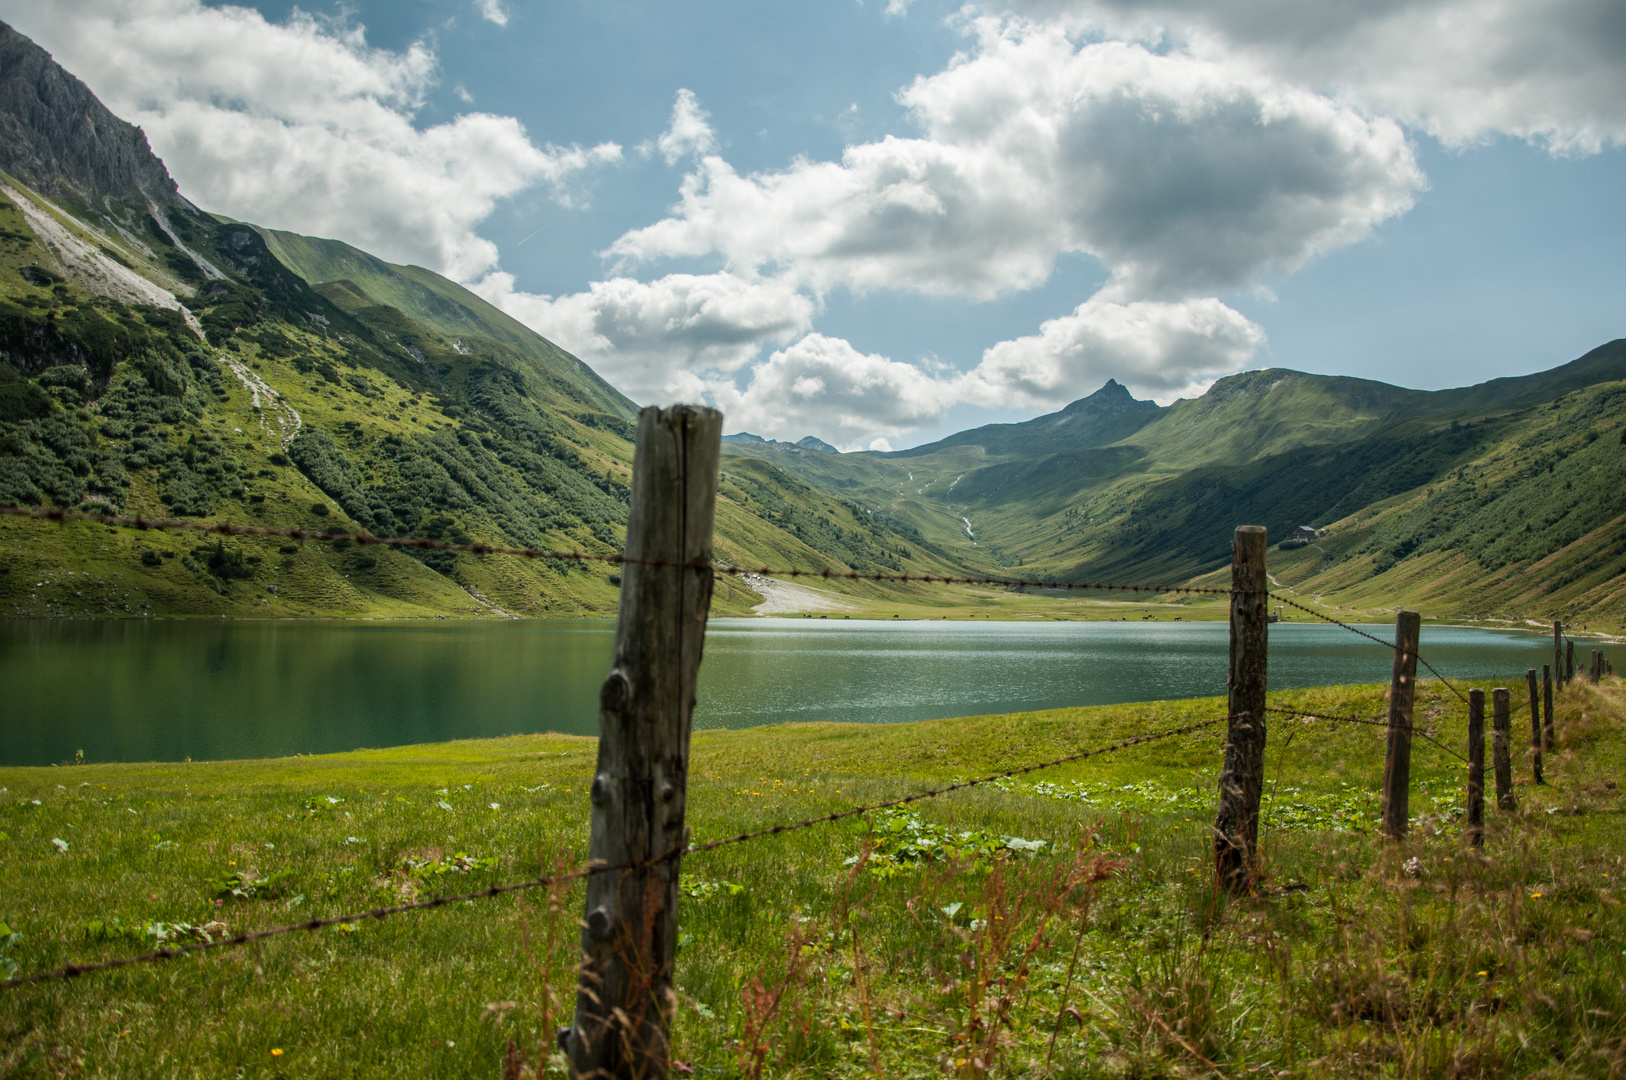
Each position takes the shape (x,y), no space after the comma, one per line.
(881,222)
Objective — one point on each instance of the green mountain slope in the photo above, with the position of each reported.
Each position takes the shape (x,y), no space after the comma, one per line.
(157,359)
(469,323)
(1500,497)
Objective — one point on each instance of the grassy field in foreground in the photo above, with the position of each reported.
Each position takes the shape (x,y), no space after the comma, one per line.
(846,950)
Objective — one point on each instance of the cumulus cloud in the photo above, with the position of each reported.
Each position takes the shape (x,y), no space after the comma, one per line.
(1182,174)
(824,385)
(689,132)
(666,340)
(301,125)
(1157,350)
(492,11)
(1464,70)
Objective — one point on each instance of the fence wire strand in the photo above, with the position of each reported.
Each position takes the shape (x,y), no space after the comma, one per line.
(72,971)
(1382,723)
(1391,646)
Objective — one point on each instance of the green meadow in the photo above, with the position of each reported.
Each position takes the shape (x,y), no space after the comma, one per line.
(1064,923)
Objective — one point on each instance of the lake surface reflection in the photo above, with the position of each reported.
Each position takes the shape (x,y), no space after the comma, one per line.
(163,690)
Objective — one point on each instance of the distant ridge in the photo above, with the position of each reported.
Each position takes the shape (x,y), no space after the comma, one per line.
(807,442)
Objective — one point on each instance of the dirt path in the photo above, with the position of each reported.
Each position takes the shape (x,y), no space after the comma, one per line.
(783,598)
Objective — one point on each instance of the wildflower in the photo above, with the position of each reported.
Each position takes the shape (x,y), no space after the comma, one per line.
(276,1051)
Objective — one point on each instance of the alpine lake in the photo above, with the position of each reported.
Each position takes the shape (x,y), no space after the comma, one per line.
(167,690)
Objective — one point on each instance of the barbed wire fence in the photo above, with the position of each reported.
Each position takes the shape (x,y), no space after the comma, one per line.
(1395,723)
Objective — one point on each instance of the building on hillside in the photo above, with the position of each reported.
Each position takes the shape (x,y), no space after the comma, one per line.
(1303,532)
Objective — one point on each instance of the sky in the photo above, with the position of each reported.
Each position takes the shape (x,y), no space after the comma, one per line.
(882,221)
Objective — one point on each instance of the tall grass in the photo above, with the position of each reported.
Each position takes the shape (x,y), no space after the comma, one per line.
(945,942)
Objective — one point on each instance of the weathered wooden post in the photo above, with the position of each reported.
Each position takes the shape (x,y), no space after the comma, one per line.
(1242,779)
(1535,727)
(1476,768)
(1558,651)
(1595,668)
(1502,748)
(1546,709)
(624,997)
(1397,759)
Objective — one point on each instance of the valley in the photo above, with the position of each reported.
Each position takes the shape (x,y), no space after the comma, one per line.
(157,359)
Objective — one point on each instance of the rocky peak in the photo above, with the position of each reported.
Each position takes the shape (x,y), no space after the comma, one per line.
(54,133)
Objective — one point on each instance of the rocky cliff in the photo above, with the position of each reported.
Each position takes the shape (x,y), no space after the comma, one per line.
(55,134)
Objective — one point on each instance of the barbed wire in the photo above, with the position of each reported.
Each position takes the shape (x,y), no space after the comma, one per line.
(962,784)
(227,528)
(1391,646)
(73,971)
(1383,723)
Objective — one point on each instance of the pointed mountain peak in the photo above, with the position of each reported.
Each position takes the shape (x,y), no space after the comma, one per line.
(1113,397)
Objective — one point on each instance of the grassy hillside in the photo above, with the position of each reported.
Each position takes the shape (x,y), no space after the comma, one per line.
(849,949)
(1500,498)
(362,281)
(269,400)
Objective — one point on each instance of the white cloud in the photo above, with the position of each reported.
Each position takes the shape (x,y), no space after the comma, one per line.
(301,125)
(689,132)
(667,340)
(492,11)
(822,385)
(1181,174)
(1157,350)
(1464,70)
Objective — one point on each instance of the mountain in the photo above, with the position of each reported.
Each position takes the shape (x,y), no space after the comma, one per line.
(808,442)
(58,138)
(1106,416)
(158,359)
(161,360)
(1504,497)
(366,286)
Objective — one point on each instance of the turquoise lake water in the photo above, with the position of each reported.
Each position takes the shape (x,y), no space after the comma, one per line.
(128,690)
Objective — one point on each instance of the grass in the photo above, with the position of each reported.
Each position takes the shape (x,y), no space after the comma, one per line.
(843,950)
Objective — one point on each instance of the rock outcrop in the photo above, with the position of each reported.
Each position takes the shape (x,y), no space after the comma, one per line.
(55,134)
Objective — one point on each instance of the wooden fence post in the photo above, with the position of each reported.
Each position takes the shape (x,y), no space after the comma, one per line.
(1546,709)
(1397,758)
(624,997)
(1476,768)
(1502,747)
(1595,668)
(1242,779)
(1535,727)
(1558,651)
(1569,661)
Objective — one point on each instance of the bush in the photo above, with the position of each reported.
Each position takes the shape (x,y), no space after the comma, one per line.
(225,562)
(151,558)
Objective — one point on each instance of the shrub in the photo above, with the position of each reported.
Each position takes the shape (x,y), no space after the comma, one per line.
(225,562)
